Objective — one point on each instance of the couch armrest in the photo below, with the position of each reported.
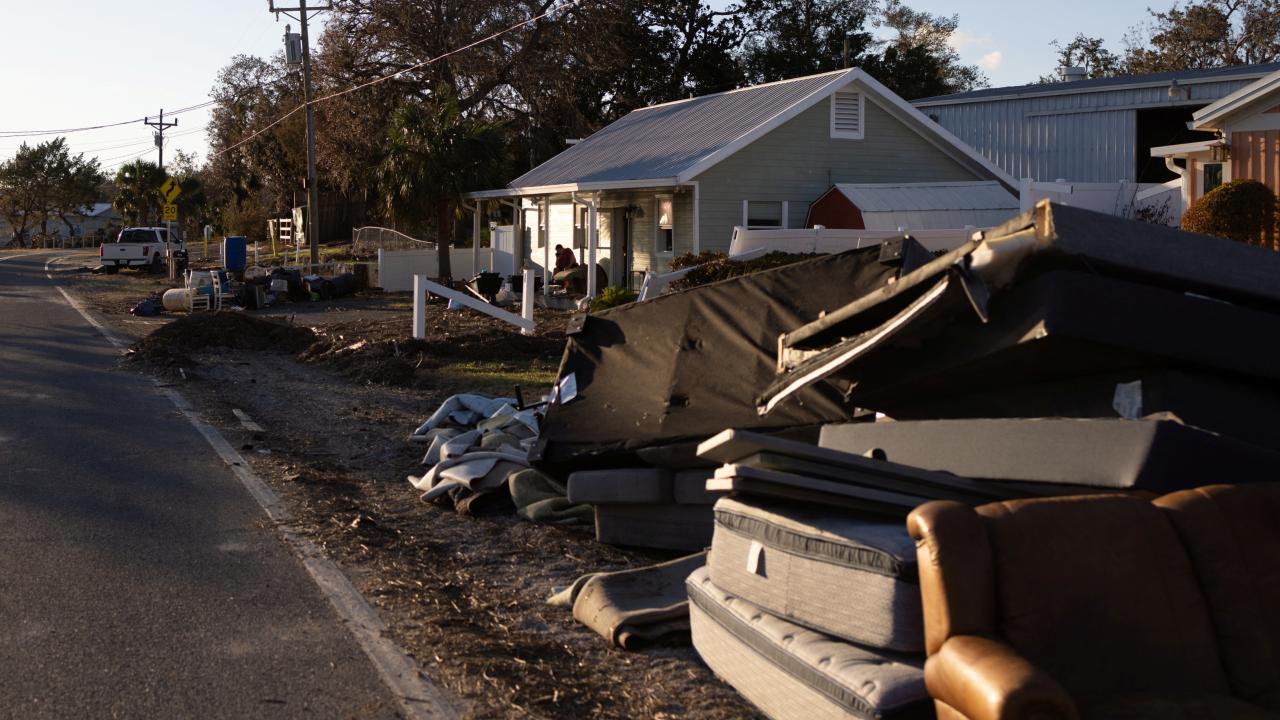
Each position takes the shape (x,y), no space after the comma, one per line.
(985,679)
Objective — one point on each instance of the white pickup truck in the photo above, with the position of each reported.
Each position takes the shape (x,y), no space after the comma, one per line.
(147,247)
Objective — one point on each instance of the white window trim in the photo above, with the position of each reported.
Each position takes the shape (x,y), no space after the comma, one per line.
(657,229)
(862,117)
(785,224)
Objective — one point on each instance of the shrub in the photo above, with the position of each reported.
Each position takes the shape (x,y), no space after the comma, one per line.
(612,297)
(1243,210)
(715,266)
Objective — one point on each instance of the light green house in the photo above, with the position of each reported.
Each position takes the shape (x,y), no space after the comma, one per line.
(678,177)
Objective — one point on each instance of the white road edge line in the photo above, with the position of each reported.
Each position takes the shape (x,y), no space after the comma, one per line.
(6,258)
(246,422)
(418,697)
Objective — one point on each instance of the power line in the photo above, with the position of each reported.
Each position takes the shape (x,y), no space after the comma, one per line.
(398,73)
(138,143)
(65,131)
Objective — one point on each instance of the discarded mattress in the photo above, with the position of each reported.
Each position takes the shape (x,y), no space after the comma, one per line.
(650,486)
(654,373)
(1157,453)
(662,526)
(755,457)
(689,487)
(633,608)
(1055,293)
(840,574)
(747,480)
(622,486)
(792,673)
(1212,402)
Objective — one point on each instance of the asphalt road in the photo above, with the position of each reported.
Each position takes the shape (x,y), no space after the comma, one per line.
(138,578)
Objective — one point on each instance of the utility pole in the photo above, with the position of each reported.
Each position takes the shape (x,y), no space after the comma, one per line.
(312,229)
(160,125)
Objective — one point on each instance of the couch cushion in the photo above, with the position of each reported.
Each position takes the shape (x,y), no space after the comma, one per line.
(1232,534)
(1098,592)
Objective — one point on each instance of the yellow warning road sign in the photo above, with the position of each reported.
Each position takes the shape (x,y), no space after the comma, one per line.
(171,189)
(170,212)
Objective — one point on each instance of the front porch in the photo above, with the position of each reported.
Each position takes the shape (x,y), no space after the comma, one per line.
(625,229)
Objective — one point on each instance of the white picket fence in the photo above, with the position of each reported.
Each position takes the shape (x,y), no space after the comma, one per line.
(804,241)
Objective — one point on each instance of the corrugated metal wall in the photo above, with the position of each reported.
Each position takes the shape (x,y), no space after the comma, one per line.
(1080,137)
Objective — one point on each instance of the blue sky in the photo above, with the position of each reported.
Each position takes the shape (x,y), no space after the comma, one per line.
(80,63)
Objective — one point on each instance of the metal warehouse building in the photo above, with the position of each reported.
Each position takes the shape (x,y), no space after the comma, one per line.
(1087,130)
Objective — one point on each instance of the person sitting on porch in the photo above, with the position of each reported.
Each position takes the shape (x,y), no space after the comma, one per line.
(566,266)
(565,259)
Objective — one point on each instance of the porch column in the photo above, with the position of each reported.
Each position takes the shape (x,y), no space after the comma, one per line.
(593,240)
(544,237)
(475,236)
(517,229)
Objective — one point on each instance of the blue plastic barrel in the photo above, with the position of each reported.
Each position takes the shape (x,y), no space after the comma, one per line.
(234,252)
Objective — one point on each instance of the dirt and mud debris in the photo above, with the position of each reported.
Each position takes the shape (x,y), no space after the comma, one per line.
(231,330)
(381,352)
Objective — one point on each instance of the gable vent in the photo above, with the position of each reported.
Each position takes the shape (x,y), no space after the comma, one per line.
(846,114)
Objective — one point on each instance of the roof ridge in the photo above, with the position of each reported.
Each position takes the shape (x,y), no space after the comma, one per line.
(1153,78)
(741,89)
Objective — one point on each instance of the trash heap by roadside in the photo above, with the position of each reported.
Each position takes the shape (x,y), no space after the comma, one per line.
(792,418)
(1066,352)
(651,380)
(255,288)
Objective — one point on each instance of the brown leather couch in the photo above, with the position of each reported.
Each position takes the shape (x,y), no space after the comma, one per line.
(1104,606)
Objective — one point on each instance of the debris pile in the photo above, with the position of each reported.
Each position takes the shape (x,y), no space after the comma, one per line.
(823,401)
(173,343)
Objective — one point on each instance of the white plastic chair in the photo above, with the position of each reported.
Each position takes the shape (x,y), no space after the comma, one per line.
(218,293)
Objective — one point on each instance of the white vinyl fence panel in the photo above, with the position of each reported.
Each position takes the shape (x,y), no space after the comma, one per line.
(826,240)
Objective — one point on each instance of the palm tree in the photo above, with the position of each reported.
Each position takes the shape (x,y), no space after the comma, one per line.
(433,156)
(138,196)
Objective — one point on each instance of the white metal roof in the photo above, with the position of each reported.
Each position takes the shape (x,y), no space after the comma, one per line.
(1207,117)
(670,144)
(1096,85)
(925,206)
(883,197)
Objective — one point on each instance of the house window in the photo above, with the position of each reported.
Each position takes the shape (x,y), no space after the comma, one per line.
(1212,176)
(580,227)
(762,214)
(664,228)
(847,111)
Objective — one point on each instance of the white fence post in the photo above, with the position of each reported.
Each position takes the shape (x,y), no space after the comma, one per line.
(419,307)
(526,300)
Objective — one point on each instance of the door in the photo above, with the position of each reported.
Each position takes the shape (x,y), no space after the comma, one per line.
(620,248)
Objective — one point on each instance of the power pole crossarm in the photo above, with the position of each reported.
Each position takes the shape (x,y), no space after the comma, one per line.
(160,125)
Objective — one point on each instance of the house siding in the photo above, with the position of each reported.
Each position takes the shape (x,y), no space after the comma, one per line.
(799,161)
(1255,155)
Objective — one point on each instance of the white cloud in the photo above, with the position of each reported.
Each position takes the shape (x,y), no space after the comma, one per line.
(992,60)
(961,39)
